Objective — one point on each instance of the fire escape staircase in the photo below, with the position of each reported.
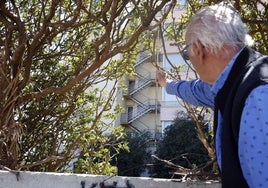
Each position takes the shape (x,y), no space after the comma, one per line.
(145,79)
(145,57)
(143,108)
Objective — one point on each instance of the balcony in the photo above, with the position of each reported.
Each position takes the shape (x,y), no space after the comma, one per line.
(133,115)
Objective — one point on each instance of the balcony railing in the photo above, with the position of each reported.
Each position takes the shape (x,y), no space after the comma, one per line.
(127,118)
(143,82)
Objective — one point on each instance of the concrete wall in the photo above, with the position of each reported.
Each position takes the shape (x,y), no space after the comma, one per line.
(59,180)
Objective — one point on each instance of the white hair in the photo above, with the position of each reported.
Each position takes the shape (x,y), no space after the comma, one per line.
(217,25)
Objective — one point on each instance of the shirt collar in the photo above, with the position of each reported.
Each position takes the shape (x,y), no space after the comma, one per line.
(218,84)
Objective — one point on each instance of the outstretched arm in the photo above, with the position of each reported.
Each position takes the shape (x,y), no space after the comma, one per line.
(195,92)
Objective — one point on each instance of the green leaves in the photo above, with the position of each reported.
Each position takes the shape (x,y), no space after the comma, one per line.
(54,54)
(181,146)
(134,155)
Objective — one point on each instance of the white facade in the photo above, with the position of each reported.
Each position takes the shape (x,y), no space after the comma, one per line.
(147,105)
(170,104)
(141,99)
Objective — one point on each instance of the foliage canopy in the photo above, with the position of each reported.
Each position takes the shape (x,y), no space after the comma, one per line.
(180,146)
(52,54)
(133,162)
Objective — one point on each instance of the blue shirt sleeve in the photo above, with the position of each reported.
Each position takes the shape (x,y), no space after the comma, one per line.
(195,92)
(253,138)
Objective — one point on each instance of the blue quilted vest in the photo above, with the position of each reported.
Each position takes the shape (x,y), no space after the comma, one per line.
(250,70)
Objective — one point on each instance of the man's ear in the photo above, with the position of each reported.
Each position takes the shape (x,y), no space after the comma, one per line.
(199,51)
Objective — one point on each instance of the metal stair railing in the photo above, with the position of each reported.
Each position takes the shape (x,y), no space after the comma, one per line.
(137,114)
(148,106)
(143,57)
(139,102)
(141,61)
(143,82)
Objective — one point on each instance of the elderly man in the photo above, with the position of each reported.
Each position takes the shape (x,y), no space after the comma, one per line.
(233,81)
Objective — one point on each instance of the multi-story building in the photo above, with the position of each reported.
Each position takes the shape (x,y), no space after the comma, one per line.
(142,97)
(148,108)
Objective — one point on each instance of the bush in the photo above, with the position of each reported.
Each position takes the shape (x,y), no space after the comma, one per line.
(133,162)
(181,146)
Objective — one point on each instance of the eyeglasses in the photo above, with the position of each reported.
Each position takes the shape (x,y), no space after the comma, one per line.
(184,52)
